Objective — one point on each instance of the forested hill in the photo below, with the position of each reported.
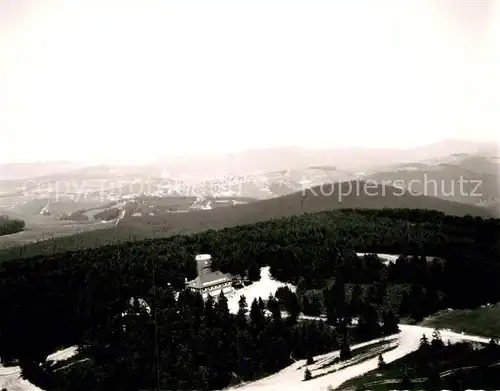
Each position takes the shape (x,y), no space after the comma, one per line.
(345,195)
(10,226)
(79,297)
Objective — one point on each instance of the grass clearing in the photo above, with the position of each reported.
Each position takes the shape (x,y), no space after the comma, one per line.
(483,321)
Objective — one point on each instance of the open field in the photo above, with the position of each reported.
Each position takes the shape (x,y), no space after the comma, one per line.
(41,228)
(481,321)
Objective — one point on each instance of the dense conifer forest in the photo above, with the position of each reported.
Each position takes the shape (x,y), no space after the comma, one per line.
(62,299)
(10,226)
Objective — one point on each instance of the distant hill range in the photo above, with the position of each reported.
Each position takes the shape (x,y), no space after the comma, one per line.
(344,195)
(199,167)
(472,180)
(10,171)
(454,177)
(338,196)
(351,159)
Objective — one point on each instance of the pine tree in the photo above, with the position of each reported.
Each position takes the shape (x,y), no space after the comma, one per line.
(433,379)
(390,325)
(368,326)
(356,301)
(301,287)
(222,311)
(406,383)
(345,349)
(437,341)
(315,306)
(254,272)
(338,296)
(306,306)
(256,315)
(293,308)
(242,306)
(307,375)
(274,307)
(381,362)
(424,341)
(331,312)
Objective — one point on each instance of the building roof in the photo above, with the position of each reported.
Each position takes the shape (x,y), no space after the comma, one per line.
(209,279)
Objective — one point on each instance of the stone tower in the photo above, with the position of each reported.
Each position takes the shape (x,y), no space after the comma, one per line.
(204,264)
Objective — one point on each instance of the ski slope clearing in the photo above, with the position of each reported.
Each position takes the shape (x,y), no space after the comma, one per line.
(262,288)
(10,377)
(291,378)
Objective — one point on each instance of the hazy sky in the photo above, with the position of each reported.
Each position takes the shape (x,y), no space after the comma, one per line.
(132,80)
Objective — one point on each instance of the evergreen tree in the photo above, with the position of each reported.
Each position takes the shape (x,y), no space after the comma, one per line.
(331,311)
(293,308)
(406,383)
(338,297)
(390,323)
(345,349)
(306,306)
(307,375)
(257,317)
(437,341)
(424,341)
(315,306)
(381,362)
(274,307)
(368,326)
(254,272)
(492,349)
(301,288)
(222,307)
(356,302)
(242,311)
(418,307)
(433,382)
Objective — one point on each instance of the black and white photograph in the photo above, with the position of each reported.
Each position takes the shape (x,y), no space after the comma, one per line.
(249,195)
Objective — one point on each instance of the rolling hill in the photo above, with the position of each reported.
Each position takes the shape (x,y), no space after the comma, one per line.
(342,195)
(444,181)
(278,158)
(314,200)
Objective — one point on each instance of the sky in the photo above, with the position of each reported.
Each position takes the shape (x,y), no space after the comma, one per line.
(129,81)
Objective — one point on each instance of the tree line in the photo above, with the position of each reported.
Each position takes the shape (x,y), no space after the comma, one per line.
(10,226)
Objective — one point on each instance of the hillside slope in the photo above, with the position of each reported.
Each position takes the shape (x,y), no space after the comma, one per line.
(317,199)
(311,201)
(446,181)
